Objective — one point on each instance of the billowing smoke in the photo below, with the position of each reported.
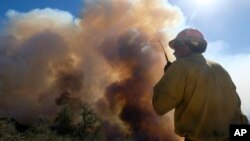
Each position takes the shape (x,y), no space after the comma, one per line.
(27,73)
(131,96)
(109,58)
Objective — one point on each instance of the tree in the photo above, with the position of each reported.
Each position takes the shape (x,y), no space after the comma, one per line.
(90,125)
(63,121)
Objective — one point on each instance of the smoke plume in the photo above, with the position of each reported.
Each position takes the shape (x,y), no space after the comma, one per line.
(109,57)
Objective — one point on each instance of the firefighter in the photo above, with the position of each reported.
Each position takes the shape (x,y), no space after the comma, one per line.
(201,92)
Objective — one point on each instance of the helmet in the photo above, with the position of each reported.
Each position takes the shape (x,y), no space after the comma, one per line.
(190,35)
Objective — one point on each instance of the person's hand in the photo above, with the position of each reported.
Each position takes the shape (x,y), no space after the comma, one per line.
(167,66)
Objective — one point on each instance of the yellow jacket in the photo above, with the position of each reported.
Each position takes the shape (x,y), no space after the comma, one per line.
(204,98)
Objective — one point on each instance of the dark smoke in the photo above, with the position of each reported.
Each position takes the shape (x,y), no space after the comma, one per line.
(108,58)
(69,85)
(135,91)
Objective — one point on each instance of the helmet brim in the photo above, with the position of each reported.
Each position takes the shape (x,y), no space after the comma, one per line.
(173,43)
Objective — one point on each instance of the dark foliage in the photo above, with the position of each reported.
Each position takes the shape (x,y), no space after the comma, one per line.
(62,128)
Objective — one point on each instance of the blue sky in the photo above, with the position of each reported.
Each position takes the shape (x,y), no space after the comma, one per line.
(226,20)
(72,6)
(224,23)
